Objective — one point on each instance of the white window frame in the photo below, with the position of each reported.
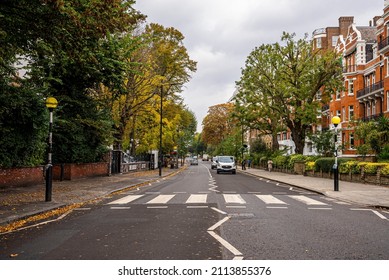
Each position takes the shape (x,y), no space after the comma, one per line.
(350,112)
(351,87)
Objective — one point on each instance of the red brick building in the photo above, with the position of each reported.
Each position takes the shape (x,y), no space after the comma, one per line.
(365,58)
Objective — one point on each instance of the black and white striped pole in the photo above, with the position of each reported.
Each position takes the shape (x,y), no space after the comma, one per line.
(51,104)
(335,121)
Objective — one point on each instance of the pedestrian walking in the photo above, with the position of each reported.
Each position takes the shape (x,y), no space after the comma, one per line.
(269,165)
(249,163)
(243,164)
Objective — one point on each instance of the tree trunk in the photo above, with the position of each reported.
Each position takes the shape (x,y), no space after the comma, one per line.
(298,136)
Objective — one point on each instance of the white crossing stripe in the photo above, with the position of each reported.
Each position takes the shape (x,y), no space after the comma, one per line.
(307,200)
(126,199)
(197,198)
(234,198)
(269,199)
(161,199)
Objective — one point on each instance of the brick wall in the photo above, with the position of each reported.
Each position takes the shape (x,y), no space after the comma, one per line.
(20,177)
(28,176)
(81,170)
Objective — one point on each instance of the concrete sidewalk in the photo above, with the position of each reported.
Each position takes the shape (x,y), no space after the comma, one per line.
(17,203)
(364,194)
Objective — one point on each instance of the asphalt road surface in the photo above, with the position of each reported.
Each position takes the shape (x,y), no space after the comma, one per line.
(199,214)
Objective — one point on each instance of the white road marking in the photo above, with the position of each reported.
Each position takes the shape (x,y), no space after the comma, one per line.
(374,211)
(225,243)
(234,198)
(269,199)
(156,207)
(161,199)
(307,200)
(218,224)
(235,206)
(222,241)
(119,208)
(379,215)
(195,207)
(82,209)
(219,211)
(197,198)
(276,207)
(310,208)
(126,199)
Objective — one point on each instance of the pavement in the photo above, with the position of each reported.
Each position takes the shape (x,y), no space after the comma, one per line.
(24,203)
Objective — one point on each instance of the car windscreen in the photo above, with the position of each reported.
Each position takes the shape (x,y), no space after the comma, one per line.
(226,159)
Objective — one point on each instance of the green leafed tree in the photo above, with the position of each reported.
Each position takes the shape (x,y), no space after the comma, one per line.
(285,84)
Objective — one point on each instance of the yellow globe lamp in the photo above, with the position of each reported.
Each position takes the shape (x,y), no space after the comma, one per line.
(335,121)
(51,103)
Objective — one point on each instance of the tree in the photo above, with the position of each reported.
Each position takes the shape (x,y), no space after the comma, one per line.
(323,142)
(67,53)
(282,82)
(160,65)
(373,137)
(217,124)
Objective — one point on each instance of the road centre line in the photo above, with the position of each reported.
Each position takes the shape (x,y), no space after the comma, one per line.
(120,208)
(156,207)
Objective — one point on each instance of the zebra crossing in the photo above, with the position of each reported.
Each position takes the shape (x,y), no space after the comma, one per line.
(230,200)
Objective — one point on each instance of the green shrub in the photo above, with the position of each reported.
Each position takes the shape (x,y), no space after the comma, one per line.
(372,167)
(327,164)
(280,160)
(293,158)
(309,166)
(324,164)
(348,166)
(385,170)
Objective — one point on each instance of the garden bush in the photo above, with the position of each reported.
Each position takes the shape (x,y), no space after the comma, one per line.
(309,166)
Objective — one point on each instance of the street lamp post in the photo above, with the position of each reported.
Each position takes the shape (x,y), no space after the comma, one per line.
(51,104)
(160,135)
(335,121)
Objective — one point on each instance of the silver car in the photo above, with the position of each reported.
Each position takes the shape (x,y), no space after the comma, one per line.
(214,163)
(226,164)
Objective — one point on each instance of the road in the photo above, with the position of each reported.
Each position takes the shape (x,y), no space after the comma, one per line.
(199,214)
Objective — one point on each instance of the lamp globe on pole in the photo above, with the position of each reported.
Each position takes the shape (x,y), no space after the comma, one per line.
(336,121)
(51,104)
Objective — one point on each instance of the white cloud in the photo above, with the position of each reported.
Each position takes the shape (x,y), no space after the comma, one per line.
(220,34)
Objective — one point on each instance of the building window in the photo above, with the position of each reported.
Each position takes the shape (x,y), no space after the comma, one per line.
(351,141)
(387,67)
(351,87)
(350,112)
(334,40)
(387,101)
(373,108)
(343,114)
(337,95)
(318,43)
(338,113)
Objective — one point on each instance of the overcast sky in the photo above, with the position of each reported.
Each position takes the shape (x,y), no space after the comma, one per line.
(220,34)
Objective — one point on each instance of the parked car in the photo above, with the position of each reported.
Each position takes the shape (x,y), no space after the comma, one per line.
(194,161)
(226,164)
(214,163)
